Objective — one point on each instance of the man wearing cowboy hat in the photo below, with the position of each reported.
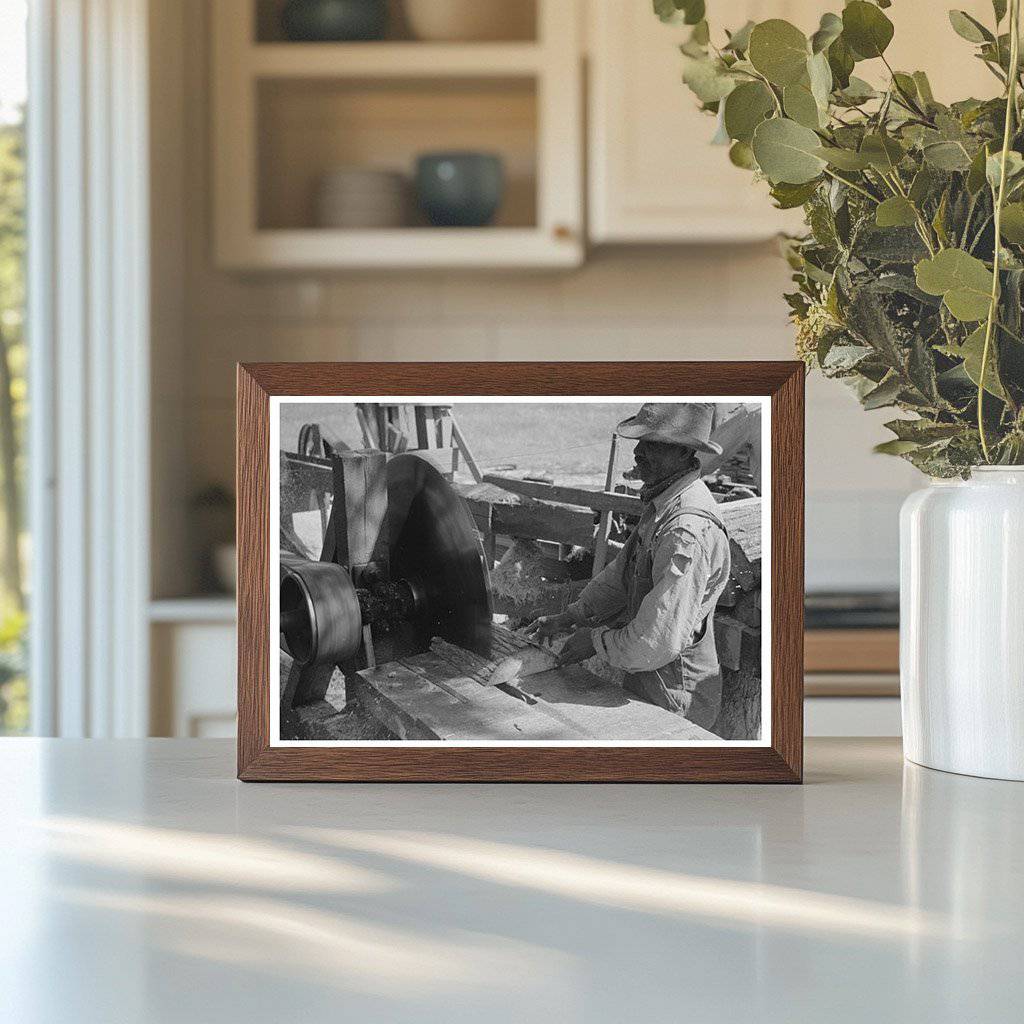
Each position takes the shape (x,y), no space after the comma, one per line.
(649,612)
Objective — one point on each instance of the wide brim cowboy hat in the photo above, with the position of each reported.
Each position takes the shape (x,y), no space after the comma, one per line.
(688,424)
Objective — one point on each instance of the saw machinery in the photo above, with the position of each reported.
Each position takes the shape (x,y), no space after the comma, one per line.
(401,563)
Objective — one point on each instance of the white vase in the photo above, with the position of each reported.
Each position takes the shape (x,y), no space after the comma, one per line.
(962,624)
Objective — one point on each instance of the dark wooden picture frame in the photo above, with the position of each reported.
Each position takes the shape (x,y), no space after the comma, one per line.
(781,760)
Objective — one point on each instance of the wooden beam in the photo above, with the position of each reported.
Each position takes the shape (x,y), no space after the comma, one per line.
(604,526)
(463,446)
(560,524)
(360,508)
(599,501)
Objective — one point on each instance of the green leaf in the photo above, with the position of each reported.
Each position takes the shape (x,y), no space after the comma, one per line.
(922,185)
(665,10)
(976,174)
(993,167)
(829,30)
(801,106)
(689,12)
(788,196)
(741,155)
(895,447)
(999,9)
(895,212)
(787,151)
(819,74)
(844,159)
(841,63)
(963,281)
(866,29)
(947,156)
(971,352)
(939,220)
(923,431)
(969,28)
(779,51)
(857,91)
(883,152)
(739,41)
(745,108)
(924,88)
(1012,224)
(885,394)
(707,78)
(701,34)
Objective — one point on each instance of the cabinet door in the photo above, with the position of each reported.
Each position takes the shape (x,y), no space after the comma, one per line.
(654,176)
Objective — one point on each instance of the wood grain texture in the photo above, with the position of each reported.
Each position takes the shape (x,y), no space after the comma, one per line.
(780,762)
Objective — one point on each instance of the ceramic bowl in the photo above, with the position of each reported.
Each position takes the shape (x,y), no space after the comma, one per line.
(332,21)
(471,20)
(460,189)
(359,197)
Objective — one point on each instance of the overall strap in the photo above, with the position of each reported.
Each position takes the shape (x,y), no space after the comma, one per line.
(674,516)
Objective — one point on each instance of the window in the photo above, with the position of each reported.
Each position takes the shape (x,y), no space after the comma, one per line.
(14,695)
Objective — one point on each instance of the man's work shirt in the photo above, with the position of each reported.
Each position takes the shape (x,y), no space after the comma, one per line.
(652,607)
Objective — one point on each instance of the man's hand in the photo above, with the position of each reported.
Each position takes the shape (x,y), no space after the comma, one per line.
(546,626)
(577,648)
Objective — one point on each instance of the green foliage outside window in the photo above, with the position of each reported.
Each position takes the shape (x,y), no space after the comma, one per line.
(13,411)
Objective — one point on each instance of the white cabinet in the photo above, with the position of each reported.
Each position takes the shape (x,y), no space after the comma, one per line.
(653,175)
(287,114)
(193,677)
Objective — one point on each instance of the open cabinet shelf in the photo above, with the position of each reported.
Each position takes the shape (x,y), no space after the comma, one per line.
(287,114)
(393,60)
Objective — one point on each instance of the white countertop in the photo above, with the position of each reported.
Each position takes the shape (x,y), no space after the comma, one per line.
(140,882)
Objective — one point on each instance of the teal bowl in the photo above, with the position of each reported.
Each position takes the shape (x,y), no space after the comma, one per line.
(334,21)
(462,190)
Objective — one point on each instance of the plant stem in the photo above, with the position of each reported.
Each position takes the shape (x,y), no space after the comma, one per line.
(1011,108)
(853,185)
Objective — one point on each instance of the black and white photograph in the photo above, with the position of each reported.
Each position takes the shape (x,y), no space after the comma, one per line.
(520,570)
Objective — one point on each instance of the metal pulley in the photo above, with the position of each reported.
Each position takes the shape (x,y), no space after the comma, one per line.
(427,578)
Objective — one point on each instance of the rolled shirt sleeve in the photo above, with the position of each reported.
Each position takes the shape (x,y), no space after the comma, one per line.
(669,615)
(605,596)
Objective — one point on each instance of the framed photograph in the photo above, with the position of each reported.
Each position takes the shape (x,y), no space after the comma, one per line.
(520,571)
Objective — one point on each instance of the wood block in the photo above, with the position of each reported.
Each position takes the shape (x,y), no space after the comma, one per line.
(361,506)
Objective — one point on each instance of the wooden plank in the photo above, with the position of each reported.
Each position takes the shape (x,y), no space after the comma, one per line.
(607,710)
(558,523)
(852,650)
(405,703)
(447,668)
(598,501)
(596,707)
(743,521)
(409,704)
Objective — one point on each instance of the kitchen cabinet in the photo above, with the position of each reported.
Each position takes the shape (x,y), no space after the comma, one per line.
(653,175)
(288,114)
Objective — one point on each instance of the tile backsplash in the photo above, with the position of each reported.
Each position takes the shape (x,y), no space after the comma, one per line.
(719,302)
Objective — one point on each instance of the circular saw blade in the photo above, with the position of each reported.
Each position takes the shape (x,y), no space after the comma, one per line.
(433,541)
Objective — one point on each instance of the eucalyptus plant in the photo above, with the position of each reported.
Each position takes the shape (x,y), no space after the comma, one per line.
(910,277)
